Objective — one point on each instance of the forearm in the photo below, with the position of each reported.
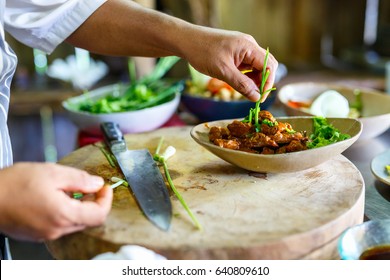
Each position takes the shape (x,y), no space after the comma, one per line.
(124,28)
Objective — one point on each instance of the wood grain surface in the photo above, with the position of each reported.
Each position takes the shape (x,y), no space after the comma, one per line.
(244,215)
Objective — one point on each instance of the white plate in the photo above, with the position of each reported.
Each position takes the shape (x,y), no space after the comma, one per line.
(378,167)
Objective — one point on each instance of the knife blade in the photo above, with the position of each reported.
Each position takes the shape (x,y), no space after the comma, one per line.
(143,175)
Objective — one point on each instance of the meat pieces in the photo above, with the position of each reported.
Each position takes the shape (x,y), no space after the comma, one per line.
(273,138)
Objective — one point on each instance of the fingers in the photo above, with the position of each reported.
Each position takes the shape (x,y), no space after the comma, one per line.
(271,66)
(81,214)
(93,213)
(75,215)
(41,209)
(254,60)
(74,180)
(243,84)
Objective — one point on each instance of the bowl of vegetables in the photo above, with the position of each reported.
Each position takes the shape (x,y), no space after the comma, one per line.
(369,106)
(143,105)
(210,99)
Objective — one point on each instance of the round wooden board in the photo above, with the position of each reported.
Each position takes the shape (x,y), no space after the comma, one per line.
(244,215)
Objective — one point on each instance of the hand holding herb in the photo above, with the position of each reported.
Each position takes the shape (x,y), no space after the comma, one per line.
(253,116)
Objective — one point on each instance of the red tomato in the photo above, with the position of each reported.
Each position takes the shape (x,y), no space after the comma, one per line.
(298,104)
(215,85)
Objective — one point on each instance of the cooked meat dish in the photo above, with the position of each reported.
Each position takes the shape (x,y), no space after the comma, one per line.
(273,137)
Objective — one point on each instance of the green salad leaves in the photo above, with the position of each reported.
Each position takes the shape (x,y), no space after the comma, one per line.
(324,134)
(146,92)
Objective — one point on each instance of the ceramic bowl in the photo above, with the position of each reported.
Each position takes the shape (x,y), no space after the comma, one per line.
(369,236)
(281,163)
(376,105)
(208,109)
(130,122)
(378,167)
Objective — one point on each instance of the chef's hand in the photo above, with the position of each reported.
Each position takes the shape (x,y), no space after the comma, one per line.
(224,54)
(35,204)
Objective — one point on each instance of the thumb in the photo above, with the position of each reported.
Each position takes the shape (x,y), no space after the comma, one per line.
(75,180)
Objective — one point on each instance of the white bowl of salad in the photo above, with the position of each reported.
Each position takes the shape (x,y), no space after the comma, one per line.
(141,106)
(132,120)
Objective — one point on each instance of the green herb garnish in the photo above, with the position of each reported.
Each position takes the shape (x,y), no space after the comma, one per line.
(291,131)
(254,112)
(162,159)
(324,134)
(77,195)
(269,123)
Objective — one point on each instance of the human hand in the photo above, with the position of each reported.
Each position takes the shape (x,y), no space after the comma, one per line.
(224,54)
(35,204)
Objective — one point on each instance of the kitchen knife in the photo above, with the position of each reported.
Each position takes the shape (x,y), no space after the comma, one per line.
(143,175)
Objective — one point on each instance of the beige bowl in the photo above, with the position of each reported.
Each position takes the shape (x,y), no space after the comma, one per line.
(376,105)
(281,163)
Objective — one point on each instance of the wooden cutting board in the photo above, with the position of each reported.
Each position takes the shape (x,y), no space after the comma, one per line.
(244,215)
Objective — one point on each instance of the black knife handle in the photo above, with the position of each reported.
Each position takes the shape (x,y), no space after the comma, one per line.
(112,133)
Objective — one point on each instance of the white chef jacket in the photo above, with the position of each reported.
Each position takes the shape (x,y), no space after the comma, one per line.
(41,24)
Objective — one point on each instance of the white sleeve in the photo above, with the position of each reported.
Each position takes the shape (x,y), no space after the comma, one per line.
(45,24)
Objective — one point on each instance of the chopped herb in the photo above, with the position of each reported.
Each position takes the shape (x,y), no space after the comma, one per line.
(117,184)
(324,134)
(291,131)
(116,180)
(269,123)
(77,195)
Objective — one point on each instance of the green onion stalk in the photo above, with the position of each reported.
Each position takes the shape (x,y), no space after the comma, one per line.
(162,159)
(254,112)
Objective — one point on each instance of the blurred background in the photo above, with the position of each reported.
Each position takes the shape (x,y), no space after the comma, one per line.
(324,40)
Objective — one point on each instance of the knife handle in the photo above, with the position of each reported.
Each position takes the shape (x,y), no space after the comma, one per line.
(113,135)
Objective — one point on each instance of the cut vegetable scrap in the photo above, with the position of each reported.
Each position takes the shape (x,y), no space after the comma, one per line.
(162,159)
